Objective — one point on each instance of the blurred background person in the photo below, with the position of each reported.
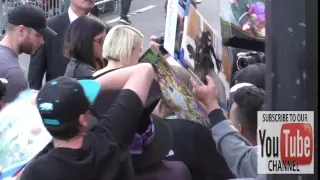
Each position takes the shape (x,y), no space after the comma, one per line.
(125,8)
(83,45)
(49,59)
(22,36)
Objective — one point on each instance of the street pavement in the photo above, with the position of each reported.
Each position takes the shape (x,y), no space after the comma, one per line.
(148,17)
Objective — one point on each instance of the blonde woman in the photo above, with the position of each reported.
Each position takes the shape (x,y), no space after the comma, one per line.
(122,48)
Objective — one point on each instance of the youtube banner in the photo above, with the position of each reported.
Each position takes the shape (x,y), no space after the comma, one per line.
(286,142)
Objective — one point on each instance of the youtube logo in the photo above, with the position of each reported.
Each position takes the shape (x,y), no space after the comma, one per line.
(286,142)
(296,143)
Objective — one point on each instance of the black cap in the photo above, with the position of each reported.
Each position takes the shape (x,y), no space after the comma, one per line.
(31,16)
(193,145)
(152,146)
(63,100)
(233,90)
(254,74)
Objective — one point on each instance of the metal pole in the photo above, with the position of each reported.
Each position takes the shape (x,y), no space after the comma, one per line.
(292,65)
(66,5)
(1,20)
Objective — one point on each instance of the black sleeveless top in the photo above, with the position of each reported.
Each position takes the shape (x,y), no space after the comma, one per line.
(106,99)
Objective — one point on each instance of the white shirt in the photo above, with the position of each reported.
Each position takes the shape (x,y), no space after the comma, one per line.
(72,15)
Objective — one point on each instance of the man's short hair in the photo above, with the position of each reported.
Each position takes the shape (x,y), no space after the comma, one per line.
(249,101)
(10,27)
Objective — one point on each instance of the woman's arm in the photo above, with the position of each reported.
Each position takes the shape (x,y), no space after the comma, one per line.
(137,78)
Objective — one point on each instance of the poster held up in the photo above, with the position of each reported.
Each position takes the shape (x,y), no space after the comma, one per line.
(174,26)
(205,54)
(176,86)
(22,134)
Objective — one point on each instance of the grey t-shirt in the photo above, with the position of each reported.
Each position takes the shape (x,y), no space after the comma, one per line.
(11,70)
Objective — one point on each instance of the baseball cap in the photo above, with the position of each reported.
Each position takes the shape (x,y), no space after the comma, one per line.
(151,147)
(64,99)
(193,145)
(234,89)
(31,16)
(254,74)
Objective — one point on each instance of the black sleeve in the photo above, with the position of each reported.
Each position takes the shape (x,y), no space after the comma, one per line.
(28,174)
(216,116)
(37,68)
(210,161)
(123,117)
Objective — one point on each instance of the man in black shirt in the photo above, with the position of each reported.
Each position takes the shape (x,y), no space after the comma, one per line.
(100,153)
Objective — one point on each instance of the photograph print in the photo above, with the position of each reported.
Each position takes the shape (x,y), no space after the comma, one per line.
(204,53)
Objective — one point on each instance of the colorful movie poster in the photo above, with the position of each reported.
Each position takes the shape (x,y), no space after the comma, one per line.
(22,134)
(176,86)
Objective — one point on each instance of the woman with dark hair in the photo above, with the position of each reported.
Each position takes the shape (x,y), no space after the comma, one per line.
(83,44)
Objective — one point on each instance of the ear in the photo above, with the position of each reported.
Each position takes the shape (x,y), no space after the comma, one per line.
(83,119)
(240,129)
(21,30)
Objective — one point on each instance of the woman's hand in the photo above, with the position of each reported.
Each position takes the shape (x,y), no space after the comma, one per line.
(156,40)
(153,41)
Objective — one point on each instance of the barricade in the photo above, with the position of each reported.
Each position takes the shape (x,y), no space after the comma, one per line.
(51,7)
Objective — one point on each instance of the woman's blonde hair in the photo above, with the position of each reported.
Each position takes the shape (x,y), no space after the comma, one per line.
(119,43)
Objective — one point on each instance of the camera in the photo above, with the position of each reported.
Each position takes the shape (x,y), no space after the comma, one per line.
(3,87)
(245,59)
(159,39)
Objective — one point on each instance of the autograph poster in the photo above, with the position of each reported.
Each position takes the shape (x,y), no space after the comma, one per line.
(175,90)
(22,134)
(174,26)
(204,53)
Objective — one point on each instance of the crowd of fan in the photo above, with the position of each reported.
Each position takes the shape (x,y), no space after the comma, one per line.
(108,119)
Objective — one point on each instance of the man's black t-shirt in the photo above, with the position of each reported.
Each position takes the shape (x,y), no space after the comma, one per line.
(103,155)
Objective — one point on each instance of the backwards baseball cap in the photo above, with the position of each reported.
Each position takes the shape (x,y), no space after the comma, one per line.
(31,16)
(62,100)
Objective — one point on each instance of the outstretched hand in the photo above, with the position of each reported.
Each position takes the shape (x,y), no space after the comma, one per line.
(156,40)
(207,94)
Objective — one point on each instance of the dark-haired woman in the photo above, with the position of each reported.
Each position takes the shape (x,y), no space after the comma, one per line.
(83,44)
